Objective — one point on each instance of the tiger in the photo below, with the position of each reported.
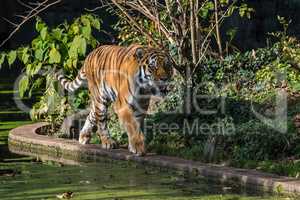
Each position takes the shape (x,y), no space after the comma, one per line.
(125,77)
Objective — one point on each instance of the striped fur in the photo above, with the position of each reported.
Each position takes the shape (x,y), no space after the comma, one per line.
(123,76)
(71,86)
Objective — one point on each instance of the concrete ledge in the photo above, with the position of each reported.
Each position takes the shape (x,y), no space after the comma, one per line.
(25,140)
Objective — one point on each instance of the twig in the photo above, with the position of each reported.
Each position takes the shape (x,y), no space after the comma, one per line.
(141,8)
(24,4)
(218,29)
(32,13)
(192,28)
(10,22)
(133,23)
(211,30)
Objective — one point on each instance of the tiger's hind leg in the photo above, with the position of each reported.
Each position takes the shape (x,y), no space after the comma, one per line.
(103,133)
(86,132)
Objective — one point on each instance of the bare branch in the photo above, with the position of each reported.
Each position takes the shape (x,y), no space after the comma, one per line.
(175,28)
(21,16)
(133,23)
(95,9)
(10,22)
(147,13)
(24,4)
(192,30)
(218,29)
(211,30)
(40,7)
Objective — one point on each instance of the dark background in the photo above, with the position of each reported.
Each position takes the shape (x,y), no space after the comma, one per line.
(251,33)
(57,14)
(254,32)
(66,10)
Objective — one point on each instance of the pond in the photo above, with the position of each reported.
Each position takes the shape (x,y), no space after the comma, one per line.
(25,178)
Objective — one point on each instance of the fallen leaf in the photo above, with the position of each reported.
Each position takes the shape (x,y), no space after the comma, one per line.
(8,172)
(65,195)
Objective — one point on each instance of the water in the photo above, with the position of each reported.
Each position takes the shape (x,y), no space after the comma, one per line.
(114,180)
(25,178)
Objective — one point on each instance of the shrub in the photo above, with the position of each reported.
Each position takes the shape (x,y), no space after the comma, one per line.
(63,47)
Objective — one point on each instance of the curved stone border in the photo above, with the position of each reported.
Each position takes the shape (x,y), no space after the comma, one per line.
(24,140)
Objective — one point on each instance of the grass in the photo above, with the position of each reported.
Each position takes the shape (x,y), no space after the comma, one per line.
(5,127)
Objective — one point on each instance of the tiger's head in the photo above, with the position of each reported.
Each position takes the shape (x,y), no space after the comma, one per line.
(155,70)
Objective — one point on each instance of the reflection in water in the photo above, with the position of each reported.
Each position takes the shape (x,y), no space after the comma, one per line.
(109,180)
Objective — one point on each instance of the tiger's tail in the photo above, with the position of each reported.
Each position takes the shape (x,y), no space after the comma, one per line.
(71,86)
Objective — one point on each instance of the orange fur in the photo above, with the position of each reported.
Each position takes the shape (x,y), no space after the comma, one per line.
(117,67)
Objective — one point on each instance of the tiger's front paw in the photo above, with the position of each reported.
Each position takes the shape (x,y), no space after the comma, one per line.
(108,143)
(137,145)
(84,138)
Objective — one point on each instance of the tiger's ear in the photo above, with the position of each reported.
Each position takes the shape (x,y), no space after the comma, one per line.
(139,53)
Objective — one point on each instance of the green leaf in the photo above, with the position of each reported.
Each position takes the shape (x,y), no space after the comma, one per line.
(35,85)
(11,57)
(82,46)
(242,12)
(32,69)
(44,33)
(73,53)
(96,24)
(23,85)
(75,29)
(25,58)
(204,11)
(75,61)
(85,21)
(231,9)
(37,68)
(69,63)
(29,69)
(38,54)
(224,2)
(2,58)
(79,44)
(25,55)
(86,31)
(65,39)
(54,56)
(39,25)
(57,33)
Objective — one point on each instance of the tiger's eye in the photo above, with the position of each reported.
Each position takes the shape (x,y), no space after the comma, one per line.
(167,61)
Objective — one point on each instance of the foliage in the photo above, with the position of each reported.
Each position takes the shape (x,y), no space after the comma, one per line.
(248,81)
(255,75)
(63,47)
(116,130)
(127,36)
(184,28)
(228,7)
(173,102)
